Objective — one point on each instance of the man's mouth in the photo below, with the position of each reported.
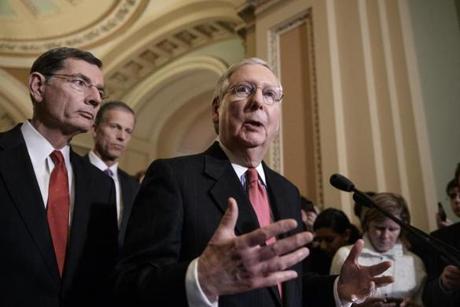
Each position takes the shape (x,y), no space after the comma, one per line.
(253,123)
(87,115)
(117,147)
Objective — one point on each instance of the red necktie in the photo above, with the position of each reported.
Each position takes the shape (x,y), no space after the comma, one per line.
(258,197)
(259,200)
(58,207)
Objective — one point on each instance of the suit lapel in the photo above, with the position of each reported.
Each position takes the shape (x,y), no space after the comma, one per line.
(228,185)
(280,210)
(278,197)
(17,172)
(82,184)
(127,193)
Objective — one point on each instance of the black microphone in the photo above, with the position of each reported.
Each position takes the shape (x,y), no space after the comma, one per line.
(341,182)
(448,253)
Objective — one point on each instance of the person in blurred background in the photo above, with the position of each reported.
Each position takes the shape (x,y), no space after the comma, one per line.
(332,230)
(453,193)
(308,213)
(384,240)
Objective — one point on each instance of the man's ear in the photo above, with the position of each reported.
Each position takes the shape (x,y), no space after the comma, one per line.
(215,110)
(37,86)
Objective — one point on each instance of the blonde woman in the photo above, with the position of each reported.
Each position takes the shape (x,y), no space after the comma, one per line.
(383,240)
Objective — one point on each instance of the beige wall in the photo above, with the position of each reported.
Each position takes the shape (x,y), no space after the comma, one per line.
(367,122)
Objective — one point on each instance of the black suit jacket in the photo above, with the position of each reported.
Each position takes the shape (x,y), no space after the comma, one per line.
(177,210)
(433,294)
(28,270)
(129,187)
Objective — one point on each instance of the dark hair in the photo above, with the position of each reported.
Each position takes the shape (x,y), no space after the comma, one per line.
(451,185)
(110,105)
(53,59)
(338,221)
(358,208)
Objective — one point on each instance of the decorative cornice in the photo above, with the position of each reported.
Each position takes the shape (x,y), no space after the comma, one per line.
(163,50)
(276,153)
(117,19)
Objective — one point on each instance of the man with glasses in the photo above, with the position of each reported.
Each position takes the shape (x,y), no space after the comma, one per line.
(58,227)
(222,228)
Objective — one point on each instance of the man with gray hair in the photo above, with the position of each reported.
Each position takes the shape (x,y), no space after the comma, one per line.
(221,227)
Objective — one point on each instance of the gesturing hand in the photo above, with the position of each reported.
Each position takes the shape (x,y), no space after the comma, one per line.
(357,282)
(450,277)
(233,264)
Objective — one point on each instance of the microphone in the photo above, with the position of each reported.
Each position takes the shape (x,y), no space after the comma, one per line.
(341,182)
(448,253)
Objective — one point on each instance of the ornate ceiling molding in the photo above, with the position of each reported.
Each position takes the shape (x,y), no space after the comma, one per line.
(163,43)
(109,23)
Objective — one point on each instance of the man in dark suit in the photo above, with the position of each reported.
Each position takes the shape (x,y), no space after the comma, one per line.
(58,226)
(112,131)
(443,283)
(194,237)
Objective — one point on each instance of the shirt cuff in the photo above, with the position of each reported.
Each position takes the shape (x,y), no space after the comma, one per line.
(195,295)
(338,301)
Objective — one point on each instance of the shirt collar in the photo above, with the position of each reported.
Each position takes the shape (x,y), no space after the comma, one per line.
(42,148)
(96,161)
(396,251)
(241,169)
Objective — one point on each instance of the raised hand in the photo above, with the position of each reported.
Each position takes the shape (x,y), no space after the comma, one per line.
(356,282)
(233,264)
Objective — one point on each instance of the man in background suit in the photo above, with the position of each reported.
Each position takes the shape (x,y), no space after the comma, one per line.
(443,283)
(58,227)
(112,131)
(194,238)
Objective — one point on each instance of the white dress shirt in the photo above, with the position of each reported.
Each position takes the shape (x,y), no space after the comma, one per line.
(96,161)
(39,150)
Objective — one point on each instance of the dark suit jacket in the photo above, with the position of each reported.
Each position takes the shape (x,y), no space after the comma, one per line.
(433,295)
(129,187)
(28,270)
(177,210)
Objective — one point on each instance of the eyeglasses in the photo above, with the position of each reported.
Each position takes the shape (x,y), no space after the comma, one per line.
(80,83)
(243,90)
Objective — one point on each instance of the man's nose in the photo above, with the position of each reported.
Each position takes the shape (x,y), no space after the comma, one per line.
(93,97)
(256,99)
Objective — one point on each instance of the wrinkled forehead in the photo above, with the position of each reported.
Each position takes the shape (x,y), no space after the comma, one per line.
(77,66)
(254,73)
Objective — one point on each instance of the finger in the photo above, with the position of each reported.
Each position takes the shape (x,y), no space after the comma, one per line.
(382,281)
(285,245)
(283,262)
(379,268)
(228,221)
(355,251)
(261,235)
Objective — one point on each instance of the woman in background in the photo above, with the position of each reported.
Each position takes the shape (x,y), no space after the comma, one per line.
(383,240)
(332,230)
